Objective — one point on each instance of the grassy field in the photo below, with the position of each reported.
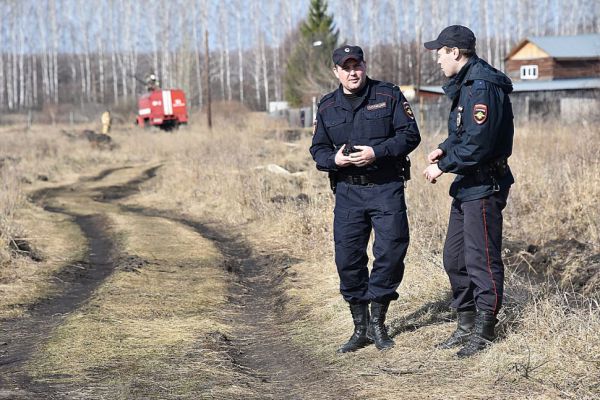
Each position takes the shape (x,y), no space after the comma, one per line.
(550,326)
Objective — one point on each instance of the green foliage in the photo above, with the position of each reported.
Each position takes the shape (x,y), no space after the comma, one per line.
(308,71)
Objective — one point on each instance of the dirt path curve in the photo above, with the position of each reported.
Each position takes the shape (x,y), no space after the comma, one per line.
(76,282)
(260,346)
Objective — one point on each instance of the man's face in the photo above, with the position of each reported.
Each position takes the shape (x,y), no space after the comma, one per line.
(448,61)
(352,75)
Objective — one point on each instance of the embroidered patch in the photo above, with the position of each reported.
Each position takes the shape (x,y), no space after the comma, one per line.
(408,110)
(480,113)
(377,106)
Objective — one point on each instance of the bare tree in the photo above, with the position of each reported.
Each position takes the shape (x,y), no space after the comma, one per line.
(54,49)
(239,25)
(114,51)
(265,67)
(197,40)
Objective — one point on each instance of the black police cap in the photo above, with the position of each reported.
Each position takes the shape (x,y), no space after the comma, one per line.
(347,52)
(453,36)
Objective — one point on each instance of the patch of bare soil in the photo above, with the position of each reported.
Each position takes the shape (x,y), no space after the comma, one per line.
(570,264)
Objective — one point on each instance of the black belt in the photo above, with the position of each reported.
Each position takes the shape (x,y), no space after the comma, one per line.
(367,179)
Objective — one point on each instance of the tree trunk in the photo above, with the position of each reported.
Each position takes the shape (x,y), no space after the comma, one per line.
(263,57)
(239,25)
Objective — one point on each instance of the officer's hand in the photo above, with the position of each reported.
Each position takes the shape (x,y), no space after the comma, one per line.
(364,157)
(341,160)
(435,156)
(432,173)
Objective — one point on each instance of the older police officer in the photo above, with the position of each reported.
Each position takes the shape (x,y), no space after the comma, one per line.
(364,131)
(479,143)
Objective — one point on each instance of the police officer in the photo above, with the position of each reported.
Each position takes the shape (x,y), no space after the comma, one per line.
(364,131)
(479,142)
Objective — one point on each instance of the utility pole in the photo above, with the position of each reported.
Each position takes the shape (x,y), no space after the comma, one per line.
(207,68)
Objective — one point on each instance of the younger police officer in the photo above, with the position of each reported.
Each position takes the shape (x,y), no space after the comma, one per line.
(479,143)
(364,131)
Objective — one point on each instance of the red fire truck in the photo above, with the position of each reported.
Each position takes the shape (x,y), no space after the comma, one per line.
(165,109)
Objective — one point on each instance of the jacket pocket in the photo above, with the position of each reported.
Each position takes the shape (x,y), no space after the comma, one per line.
(337,129)
(331,122)
(378,123)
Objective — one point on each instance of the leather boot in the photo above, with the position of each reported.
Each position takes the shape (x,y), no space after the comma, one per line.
(377,330)
(466,321)
(482,336)
(358,340)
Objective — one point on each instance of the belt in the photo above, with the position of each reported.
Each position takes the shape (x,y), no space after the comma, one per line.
(367,179)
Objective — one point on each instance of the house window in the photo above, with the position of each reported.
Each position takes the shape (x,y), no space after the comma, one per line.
(529,72)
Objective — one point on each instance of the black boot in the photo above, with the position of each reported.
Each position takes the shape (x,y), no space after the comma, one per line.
(358,340)
(466,321)
(482,336)
(377,331)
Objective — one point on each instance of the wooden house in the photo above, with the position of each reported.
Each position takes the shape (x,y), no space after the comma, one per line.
(553,77)
(554,57)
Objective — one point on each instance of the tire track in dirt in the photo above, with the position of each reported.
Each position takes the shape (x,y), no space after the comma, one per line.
(76,283)
(261,347)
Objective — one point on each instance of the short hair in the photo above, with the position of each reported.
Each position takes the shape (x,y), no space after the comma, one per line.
(468,53)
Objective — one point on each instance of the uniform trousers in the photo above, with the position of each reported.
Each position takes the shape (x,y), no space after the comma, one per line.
(472,253)
(359,209)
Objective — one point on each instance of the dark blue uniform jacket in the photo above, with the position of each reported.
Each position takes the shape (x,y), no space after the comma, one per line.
(383,121)
(480,130)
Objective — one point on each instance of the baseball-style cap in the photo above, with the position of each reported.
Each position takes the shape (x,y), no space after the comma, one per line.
(453,36)
(346,52)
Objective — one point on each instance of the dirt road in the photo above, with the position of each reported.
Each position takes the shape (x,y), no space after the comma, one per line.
(255,355)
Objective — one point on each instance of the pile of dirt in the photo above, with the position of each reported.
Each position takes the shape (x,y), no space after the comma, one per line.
(571,264)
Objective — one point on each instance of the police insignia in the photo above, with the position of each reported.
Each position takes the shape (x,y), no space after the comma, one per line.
(408,110)
(377,106)
(480,113)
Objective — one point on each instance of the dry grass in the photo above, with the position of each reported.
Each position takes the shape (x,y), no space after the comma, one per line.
(550,345)
(151,329)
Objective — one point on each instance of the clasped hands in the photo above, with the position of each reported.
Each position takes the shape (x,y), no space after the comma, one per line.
(361,158)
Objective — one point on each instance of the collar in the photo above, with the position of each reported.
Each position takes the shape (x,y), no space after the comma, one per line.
(342,101)
(452,88)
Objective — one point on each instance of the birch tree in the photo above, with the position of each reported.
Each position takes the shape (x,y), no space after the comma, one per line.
(239,24)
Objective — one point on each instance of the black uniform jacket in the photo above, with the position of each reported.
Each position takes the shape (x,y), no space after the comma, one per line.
(384,121)
(480,130)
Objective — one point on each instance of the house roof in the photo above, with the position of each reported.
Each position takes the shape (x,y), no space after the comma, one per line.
(558,84)
(576,46)
(537,86)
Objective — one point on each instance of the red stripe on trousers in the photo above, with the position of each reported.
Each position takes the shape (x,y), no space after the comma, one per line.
(487,253)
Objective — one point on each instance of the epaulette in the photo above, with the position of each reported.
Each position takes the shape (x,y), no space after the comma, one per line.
(325,98)
(479,84)
(386,84)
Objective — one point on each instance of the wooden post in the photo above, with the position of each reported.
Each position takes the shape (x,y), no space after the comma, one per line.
(207,69)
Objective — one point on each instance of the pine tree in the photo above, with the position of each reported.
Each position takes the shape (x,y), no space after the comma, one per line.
(308,71)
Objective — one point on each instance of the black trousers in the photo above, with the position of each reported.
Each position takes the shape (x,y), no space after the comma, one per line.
(358,211)
(472,253)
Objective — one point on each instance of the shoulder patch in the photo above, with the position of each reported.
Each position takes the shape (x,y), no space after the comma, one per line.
(408,110)
(480,113)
